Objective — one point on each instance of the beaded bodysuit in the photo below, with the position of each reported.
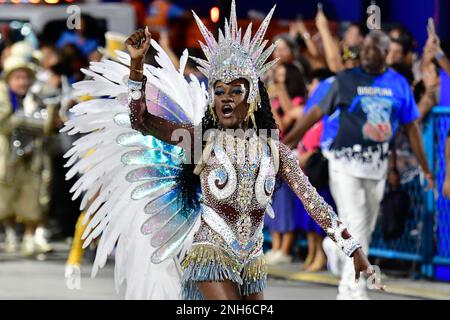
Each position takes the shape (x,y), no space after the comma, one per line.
(237,182)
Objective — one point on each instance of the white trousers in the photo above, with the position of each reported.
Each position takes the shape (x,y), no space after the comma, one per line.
(358,204)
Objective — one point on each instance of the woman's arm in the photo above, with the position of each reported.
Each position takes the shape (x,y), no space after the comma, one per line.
(149,124)
(426,102)
(280,90)
(292,116)
(432,50)
(285,100)
(141,120)
(331,48)
(323,214)
(303,125)
(306,36)
(314,204)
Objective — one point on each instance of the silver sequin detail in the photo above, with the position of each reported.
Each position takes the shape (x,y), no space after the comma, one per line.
(225,175)
(265,181)
(242,242)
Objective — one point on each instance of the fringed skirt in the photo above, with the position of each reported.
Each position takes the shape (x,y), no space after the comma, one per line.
(210,263)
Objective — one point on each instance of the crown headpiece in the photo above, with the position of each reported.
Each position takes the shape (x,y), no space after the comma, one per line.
(232,57)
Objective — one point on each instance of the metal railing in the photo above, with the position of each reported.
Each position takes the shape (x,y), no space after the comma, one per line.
(438,207)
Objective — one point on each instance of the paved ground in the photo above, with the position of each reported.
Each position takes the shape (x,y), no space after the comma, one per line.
(33,279)
(396,287)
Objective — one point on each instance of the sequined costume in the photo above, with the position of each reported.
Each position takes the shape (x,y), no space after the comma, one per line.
(163,247)
(236,193)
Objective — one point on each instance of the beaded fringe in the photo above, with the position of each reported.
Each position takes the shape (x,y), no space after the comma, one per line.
(209,263)
(254,276)
(206,263)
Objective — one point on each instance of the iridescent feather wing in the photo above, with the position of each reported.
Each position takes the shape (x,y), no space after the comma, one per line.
(138,210)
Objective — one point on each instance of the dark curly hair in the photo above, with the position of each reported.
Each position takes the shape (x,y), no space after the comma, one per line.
(190,182)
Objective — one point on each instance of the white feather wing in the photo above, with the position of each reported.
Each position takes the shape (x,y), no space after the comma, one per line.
(130,173)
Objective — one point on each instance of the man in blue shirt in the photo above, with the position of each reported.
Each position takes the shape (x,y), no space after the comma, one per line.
(373,100)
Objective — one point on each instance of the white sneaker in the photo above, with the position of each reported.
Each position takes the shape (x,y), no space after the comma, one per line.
(28,248)
(360,295)
(72,273)
(10,240)
(269,255)
(279,257)
(72,269)
(40,241)
(353,295)
(343,296)
(333,260)
(285,258)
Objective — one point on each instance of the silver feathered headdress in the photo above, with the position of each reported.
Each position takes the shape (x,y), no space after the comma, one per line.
(232,57)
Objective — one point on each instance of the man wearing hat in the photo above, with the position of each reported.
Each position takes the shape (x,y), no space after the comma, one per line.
(24,165)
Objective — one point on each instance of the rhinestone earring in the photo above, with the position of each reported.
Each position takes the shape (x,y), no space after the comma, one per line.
(251,113)
(213,114)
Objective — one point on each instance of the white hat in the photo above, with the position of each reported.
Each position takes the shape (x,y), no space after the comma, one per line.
(26,50)
(13,63)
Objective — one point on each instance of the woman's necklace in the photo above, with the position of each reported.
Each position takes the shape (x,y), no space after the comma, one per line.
(246,155)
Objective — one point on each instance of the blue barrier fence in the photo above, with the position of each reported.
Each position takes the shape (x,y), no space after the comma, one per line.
(426,237)
(440,206)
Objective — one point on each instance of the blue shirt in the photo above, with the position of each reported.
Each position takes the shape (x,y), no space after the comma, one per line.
(371,108)
(85,46)
(330,122)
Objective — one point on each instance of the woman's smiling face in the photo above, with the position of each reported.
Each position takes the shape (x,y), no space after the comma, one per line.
(230,103)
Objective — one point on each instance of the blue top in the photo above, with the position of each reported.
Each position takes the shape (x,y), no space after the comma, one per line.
(330,123)
(371,108)
(86,46)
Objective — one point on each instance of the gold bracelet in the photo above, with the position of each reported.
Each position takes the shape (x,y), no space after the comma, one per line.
(138,70)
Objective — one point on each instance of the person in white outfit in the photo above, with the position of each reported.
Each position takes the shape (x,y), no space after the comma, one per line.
(373,101)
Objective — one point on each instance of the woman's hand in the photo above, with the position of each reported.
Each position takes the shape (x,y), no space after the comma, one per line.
(431,185)
(138,44)
(301,28)
(293,30)
(321,21)
(362,264)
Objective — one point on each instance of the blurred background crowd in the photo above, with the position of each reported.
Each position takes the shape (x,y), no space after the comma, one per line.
(41,57)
